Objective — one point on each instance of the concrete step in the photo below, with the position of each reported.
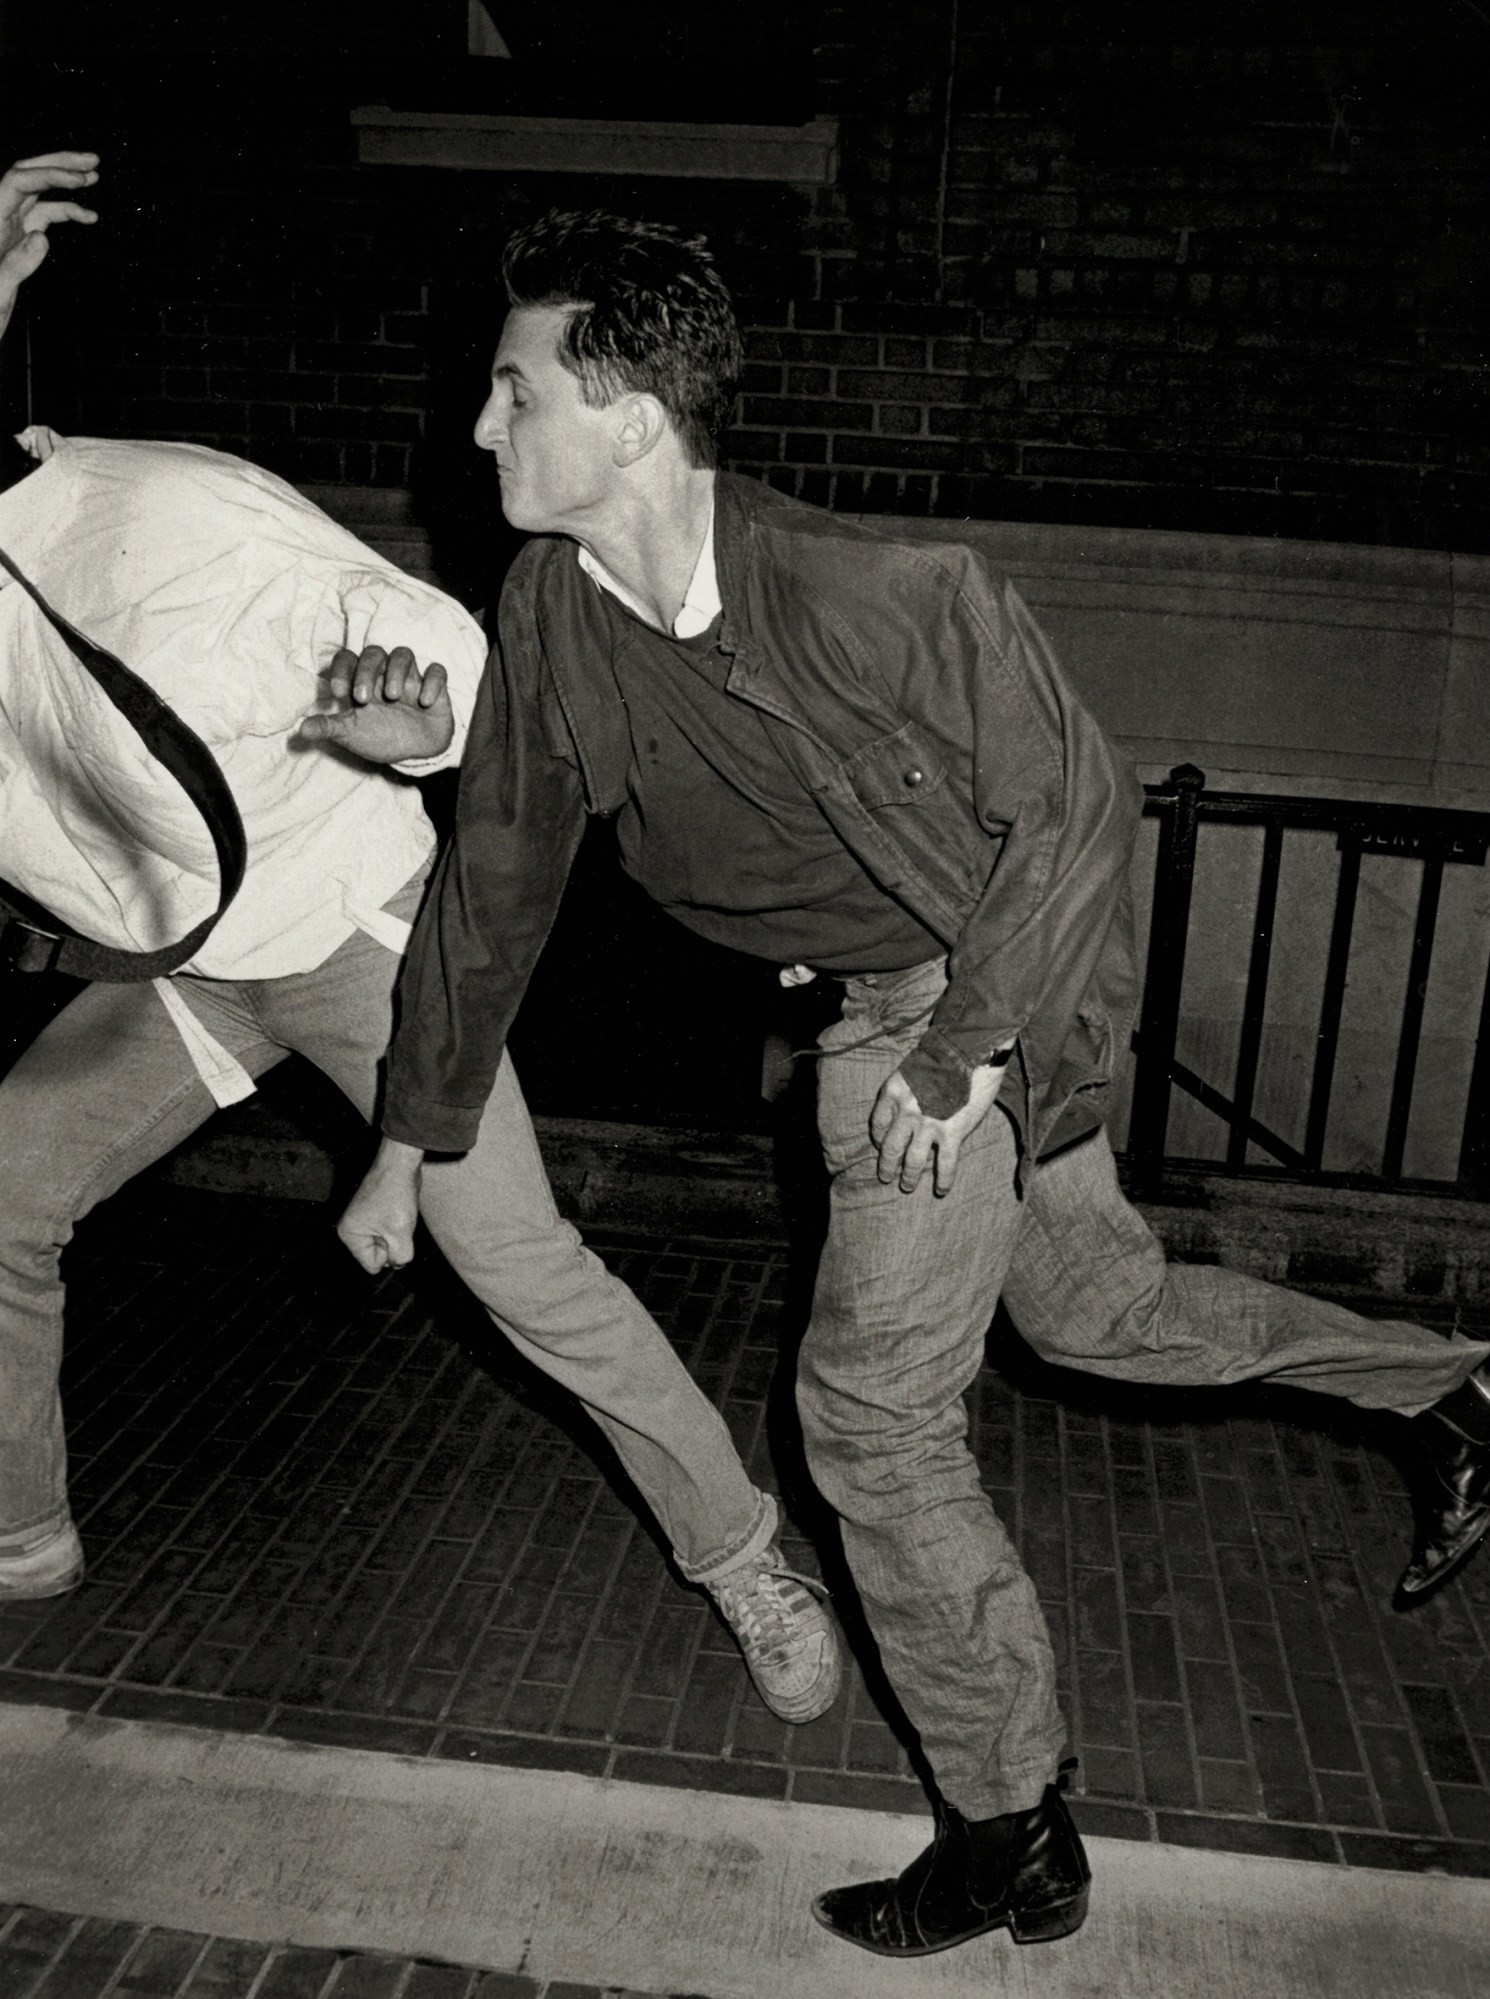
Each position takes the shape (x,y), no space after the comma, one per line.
(568,1878)
(726,1185)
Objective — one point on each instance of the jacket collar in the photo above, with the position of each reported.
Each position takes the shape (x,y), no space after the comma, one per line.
(734,557)
(701,600)
(756,669)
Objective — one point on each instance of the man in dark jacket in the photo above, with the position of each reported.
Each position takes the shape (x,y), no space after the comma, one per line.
(858,756)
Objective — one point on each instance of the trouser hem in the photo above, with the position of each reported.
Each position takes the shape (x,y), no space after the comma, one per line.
(1015,1790)
(740,1554)
(22,1539)
(1474,1355)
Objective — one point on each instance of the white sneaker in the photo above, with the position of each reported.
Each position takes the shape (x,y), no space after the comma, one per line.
(789,1639)
(50,1566)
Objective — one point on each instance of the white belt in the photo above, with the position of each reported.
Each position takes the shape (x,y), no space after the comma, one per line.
(225,1078)
(390,931)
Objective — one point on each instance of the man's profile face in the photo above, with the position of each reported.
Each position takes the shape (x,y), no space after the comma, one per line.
(554,454)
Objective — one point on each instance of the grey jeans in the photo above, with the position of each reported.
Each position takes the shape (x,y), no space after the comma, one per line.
(905,1294)
(108,1088)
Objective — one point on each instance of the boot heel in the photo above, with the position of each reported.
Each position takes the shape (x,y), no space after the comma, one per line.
(1056,1919)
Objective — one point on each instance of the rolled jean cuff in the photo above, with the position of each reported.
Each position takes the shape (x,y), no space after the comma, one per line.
(739,1554)
(25,1540)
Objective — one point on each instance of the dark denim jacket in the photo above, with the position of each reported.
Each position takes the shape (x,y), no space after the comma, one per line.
(915,697)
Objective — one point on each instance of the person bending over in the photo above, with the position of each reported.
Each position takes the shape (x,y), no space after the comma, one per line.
(858,754)
(239,602)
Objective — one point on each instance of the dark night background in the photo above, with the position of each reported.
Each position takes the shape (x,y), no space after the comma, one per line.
(1153,266)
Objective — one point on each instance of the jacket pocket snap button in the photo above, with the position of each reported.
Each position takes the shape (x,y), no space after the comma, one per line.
(913,777)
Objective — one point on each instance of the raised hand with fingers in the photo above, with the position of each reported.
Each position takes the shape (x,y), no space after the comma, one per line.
(25,217)
(386,710)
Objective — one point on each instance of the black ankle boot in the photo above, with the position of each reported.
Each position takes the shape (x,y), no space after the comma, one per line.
(1026,1870)
(1453,1507)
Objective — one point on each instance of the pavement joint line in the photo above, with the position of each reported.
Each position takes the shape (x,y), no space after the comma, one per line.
(655,1890)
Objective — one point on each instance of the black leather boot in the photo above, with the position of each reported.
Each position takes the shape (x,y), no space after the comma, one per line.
(1024,1870)
(1453,1507)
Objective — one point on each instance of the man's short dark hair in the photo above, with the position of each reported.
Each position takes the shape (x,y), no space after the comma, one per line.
(649,312)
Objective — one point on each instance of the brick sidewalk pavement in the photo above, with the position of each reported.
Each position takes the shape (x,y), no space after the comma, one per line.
(49,1956)
(342,1512)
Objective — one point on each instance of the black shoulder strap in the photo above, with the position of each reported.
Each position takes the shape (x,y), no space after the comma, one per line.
(180,751)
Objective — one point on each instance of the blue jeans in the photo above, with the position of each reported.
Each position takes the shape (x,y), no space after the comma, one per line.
(905,1293)
(108,1088)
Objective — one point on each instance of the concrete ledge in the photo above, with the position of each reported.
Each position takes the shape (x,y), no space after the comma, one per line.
(1227,651)
(383,517)
(723,1185)
(803,155)
(602,1883)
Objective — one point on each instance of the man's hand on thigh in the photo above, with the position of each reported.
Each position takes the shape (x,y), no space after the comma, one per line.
(908,1141)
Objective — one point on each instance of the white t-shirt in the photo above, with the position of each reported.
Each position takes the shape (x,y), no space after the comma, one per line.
(226,591)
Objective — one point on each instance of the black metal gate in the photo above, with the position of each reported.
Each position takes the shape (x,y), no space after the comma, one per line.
(1435,837)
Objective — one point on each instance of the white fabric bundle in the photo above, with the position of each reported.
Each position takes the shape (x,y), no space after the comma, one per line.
(226,591)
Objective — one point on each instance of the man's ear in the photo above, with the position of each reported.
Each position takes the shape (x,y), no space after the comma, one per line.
(642,423)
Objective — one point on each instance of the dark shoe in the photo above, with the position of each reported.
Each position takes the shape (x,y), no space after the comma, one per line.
(1454,1505)
(1023,1870)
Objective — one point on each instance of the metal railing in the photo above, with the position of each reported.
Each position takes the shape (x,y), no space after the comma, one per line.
(1435,837)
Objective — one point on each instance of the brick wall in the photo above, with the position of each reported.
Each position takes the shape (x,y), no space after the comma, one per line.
(1080,263)
(1145,267)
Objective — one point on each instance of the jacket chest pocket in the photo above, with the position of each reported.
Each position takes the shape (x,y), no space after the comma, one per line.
(903,769)
(923,840)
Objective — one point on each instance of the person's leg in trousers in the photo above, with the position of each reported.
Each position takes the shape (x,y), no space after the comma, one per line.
(905,1294)
(105,1090)
(1089,1287)
(492,1213)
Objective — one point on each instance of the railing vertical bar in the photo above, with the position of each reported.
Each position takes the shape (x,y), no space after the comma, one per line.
(1421,835)
(1255,1004)
(1332,1007)
(1412,1020)
(1474,1148)
(1169,926)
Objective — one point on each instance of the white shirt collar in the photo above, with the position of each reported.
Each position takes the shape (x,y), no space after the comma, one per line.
(701,602)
